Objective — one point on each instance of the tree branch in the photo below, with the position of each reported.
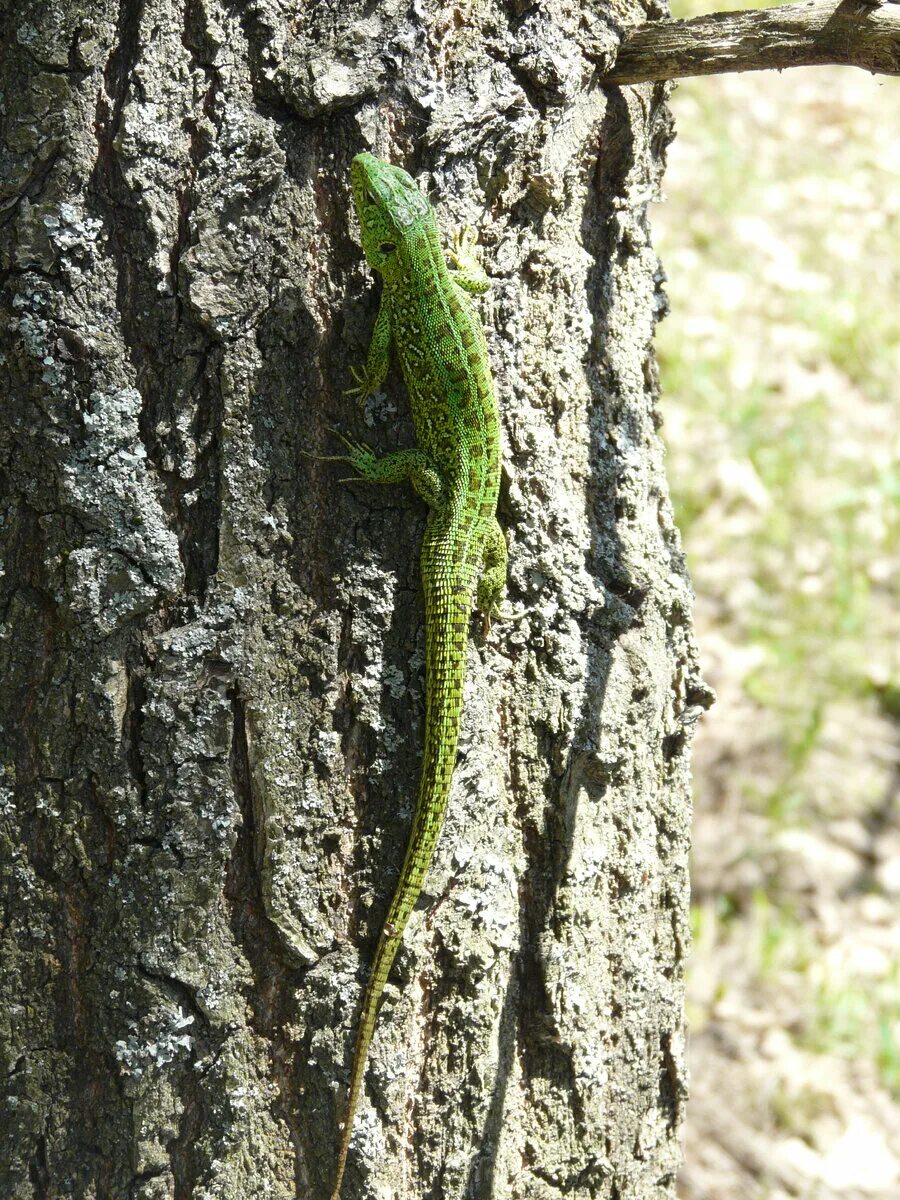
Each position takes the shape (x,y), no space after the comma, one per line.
(852,32)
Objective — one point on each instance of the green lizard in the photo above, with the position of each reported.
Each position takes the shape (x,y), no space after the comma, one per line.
(455,467)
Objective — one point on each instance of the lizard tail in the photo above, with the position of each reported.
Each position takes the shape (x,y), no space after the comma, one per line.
(384,956)
(448,607)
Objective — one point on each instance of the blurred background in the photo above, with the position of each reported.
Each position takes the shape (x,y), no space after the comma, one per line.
(780,235)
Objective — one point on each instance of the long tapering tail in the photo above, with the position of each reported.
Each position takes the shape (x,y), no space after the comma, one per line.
(448,604)
(384,956)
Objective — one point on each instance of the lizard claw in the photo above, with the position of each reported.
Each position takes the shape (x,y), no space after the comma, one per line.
(501,616)
(464,262)
(356,448)
(462,247)
(362,388)
(358,454)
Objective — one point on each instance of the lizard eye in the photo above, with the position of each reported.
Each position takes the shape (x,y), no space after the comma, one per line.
(387,248)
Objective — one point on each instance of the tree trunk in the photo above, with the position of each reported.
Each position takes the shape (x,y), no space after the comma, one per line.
(211,681)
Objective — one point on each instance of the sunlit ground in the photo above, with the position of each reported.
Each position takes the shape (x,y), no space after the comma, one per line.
(781,239)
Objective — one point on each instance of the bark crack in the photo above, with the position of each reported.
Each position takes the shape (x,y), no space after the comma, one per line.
(271,1001)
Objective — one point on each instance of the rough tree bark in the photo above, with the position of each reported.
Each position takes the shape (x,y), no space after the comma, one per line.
(211,680)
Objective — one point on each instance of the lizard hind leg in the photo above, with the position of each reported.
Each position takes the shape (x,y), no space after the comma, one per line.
(492,580)
(401,466)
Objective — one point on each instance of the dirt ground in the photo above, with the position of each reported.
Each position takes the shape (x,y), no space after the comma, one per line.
(780,235)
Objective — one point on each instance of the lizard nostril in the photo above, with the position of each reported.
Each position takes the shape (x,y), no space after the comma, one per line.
(387,247)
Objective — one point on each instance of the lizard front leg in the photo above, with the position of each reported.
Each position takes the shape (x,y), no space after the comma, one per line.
(370,378)
(465,269)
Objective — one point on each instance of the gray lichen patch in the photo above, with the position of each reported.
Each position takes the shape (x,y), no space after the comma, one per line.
(134,561)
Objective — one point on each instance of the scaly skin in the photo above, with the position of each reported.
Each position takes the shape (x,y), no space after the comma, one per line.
(426,316)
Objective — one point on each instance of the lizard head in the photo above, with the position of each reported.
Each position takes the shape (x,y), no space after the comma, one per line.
(392,211)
